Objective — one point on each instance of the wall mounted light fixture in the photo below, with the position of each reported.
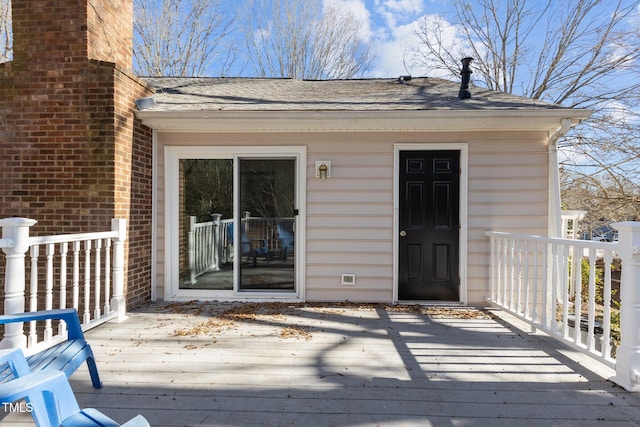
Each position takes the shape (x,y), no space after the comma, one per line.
(323,169)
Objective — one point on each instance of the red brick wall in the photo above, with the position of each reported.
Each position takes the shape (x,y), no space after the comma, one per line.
(133,186)
(49,31)
(67,29)
(70,156)
(111,31)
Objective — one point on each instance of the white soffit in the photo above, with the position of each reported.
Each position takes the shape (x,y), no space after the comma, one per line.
(360,121)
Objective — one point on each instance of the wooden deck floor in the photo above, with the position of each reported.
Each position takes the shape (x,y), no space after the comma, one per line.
(292,365)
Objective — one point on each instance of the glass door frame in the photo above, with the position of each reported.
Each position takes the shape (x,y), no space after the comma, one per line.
(173,156)
(243,274)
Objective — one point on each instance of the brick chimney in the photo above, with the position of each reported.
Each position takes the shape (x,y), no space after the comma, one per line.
(72,154)
(66,31)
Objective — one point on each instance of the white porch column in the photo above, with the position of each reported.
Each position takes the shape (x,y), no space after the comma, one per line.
(16,231)
(191,250)
(118,301)
(571,217)
(216,217)
(628,354)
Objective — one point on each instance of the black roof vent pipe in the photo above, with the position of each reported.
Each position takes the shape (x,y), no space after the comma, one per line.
(466,78)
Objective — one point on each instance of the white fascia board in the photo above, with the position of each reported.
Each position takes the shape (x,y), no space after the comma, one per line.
(359,121)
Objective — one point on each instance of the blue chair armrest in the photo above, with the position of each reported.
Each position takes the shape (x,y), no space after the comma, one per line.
(16,361)
(21,388)
(51,400)
(66,356)
(69,315)
(47,392)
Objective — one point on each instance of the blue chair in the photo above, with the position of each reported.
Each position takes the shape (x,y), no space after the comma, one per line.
(285,235)
(255,248)
(49,397)
(66,356)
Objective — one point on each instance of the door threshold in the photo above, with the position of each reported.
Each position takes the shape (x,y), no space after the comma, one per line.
(432,303)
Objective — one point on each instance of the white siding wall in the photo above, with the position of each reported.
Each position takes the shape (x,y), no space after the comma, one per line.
(350,215)
(350,219)
(508,183)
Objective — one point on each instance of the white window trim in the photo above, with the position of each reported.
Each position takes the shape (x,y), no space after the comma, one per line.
(173,155)
(464,188)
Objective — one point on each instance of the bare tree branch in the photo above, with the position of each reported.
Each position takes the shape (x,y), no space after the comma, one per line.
(181,38)
(301,39)
(579,54)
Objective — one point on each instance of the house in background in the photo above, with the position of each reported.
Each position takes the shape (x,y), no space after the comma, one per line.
(388,186)
(258,189)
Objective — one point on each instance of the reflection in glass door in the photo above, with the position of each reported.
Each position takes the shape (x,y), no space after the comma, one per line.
(206,224)
(266,255)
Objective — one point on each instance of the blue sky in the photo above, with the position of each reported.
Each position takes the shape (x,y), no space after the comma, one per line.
(391,24)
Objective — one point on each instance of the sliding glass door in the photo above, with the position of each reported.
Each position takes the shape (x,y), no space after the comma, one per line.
(237,218)
(206,221)
(266,211)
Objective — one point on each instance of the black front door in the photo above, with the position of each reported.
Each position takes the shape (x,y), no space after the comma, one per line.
(429,209)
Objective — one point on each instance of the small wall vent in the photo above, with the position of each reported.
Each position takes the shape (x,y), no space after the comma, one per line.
(348,279)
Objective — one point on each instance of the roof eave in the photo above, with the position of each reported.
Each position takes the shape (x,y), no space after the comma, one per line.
(360,121)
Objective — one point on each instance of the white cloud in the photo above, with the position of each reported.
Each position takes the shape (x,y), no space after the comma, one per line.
(397,48)
(392,25)
(358,10)
(619,112)
(395,51)
(396,12)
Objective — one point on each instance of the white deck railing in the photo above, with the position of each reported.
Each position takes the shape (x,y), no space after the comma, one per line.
(83,271)
(210,244)
(540,280)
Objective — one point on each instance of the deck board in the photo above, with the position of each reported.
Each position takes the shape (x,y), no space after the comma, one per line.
(342,366)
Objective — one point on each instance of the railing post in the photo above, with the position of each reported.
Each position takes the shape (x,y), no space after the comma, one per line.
(118,302)
(628,354)
(191,250)
(16,231)
(216,240)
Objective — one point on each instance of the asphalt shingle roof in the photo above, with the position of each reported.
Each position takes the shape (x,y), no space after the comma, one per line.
(262,94)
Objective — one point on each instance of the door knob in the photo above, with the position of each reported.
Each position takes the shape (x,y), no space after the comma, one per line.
(403,233)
